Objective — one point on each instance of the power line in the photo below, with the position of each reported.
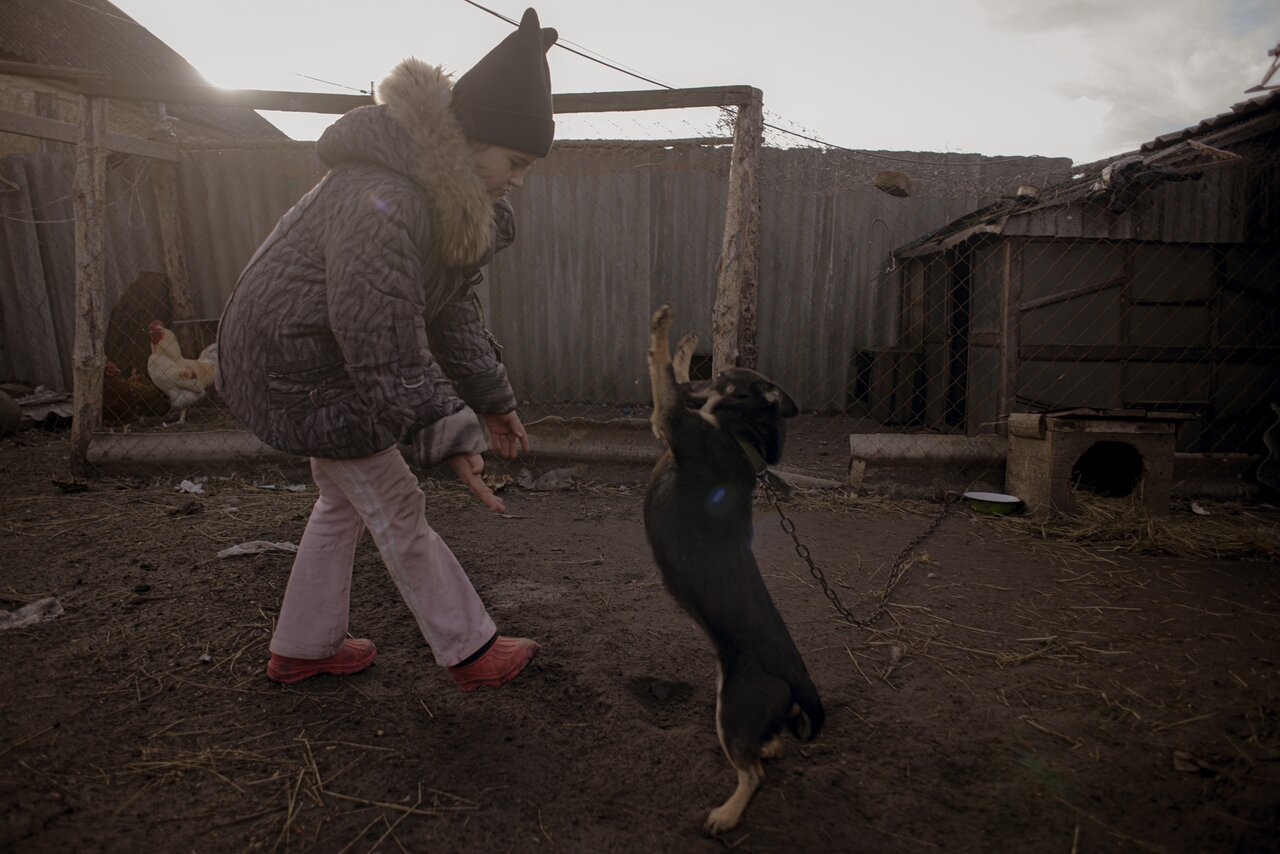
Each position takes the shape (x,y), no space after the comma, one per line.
(993,160)
(107,14)
(331,83)
(572,50)
(773,127)
(600,59)
(104,13)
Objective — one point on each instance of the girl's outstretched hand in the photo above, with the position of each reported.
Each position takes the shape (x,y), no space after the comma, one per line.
(507,435)
(469,467)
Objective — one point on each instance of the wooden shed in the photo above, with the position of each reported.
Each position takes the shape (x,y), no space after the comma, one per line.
(1149,281)
(95,37)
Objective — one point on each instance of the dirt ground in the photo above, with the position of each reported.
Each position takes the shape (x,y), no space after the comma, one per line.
(1022,693)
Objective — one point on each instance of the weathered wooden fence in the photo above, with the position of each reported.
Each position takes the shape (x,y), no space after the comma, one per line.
(846,276)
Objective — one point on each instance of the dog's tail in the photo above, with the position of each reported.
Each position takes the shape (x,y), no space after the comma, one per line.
(807,713)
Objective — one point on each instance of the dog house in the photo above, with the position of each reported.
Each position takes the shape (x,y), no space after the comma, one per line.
(1112,453)
(1146,283)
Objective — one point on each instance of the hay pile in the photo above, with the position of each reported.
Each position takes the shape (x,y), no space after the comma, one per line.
(1214,531)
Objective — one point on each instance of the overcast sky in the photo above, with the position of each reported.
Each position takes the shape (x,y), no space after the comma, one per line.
(1077,78)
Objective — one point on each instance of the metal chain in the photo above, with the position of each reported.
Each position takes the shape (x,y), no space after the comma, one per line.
(897,570)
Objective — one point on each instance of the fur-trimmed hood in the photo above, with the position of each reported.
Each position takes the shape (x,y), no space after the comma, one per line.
(413,131)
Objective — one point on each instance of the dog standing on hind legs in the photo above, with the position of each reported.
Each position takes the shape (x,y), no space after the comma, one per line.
(697,517)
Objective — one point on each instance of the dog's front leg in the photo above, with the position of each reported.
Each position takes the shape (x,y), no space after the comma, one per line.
(667,405)
(727,815)
(683,358)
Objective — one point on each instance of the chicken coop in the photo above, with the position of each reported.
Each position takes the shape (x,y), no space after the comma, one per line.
(1145,283)
(161,231)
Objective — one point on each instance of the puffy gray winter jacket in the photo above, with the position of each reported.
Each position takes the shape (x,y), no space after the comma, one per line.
(355,325)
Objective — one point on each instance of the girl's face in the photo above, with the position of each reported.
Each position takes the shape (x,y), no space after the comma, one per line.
(501,169)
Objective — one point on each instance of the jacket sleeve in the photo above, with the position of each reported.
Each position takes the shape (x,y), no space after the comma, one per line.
(378,289)
(469,356)
(466,350)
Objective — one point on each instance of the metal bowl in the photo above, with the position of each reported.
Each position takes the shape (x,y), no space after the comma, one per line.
(996,503)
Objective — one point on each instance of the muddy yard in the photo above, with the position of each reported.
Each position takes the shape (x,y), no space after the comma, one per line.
(1023,693)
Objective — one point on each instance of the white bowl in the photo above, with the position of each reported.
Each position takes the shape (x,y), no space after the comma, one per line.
(992,502)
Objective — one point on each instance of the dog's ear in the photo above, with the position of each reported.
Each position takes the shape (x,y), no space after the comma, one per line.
(786,406)
(773,430)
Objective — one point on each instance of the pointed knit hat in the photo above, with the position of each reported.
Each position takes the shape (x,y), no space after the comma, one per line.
(505,99)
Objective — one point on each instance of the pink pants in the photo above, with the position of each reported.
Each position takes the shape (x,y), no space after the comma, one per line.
(379,493)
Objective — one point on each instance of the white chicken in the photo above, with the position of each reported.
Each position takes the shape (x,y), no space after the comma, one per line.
(184,381)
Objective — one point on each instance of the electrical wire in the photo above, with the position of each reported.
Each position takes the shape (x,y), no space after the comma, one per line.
(599,58)
(565,46)
(331,83)
(772,127)
(104,13)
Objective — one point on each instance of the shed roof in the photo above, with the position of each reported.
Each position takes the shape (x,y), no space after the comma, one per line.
(1172,156)
(97,35)
(1238,113)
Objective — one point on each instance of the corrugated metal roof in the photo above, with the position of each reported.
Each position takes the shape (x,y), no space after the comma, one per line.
(1238,113)
(97,35)
(1172,156)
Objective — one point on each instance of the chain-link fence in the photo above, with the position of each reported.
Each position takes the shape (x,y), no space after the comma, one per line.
(911,295)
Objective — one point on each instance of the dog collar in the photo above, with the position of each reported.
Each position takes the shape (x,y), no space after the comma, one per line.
(758,465)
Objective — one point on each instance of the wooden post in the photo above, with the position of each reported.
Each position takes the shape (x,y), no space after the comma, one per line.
(1011,331)
(47,106)
(1126,319)
(733,317)
(87,355)
(165,186)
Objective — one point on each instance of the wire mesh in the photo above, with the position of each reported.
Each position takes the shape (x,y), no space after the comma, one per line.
(900,293)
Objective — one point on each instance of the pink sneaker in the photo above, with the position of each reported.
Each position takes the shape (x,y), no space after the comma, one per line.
(501,663)
(352,657)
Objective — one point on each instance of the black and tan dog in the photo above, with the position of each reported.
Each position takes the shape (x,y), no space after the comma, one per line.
(697,516)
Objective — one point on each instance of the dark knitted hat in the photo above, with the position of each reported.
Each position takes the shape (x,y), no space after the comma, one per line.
(505,99)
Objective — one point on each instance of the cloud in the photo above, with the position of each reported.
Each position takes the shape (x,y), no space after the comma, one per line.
(1089,15)
(1155,65)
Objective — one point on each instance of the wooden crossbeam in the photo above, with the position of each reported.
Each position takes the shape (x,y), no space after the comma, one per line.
(90,83)
(42,128)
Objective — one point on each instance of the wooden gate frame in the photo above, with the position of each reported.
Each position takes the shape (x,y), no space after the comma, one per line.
(734,313)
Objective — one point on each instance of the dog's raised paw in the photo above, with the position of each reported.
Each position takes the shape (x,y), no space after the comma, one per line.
(661,318)
(683,357)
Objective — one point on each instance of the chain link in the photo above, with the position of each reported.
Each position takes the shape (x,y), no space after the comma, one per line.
(897,571)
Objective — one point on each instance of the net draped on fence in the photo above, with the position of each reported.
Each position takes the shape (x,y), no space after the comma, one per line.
(909,294)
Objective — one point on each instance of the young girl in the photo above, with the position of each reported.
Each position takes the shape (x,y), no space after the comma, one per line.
(355,328)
